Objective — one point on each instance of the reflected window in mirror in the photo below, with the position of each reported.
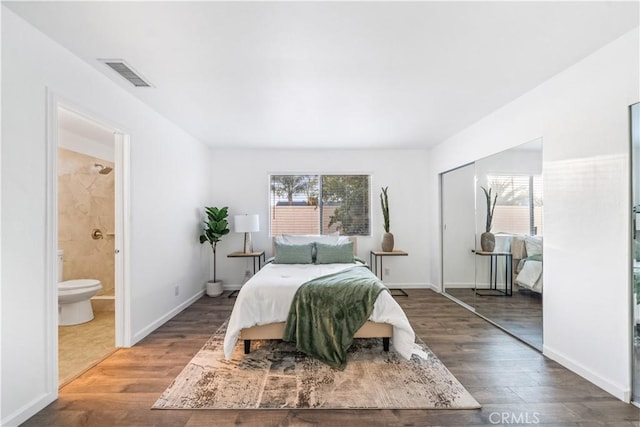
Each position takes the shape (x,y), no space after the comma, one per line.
(519,204)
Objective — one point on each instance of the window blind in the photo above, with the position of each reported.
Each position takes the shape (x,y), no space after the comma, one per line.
(319,204)
(519,206)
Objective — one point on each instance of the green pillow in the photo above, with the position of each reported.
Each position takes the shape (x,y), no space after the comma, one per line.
(293,254)
(332,254)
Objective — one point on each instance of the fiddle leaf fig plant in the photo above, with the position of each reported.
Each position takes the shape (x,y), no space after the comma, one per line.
(215,227)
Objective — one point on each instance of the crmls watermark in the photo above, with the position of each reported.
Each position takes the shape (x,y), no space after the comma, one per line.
(514,418)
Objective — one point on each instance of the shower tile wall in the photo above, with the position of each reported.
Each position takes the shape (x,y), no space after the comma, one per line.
(86,202)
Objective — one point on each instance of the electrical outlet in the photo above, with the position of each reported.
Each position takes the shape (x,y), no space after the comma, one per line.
(247,276)
(387,271)
(176,290)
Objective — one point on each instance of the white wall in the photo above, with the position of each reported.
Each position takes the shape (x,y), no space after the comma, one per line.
(169,184)
(241,181)
(582,115)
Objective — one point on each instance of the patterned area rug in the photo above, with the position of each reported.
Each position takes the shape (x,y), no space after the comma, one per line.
(275,376)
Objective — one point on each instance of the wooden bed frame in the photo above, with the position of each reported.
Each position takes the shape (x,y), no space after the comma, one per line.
(275,331)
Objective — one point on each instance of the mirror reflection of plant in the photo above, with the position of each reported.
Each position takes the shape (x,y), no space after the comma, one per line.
(215,227)
(384,202)
(490,207)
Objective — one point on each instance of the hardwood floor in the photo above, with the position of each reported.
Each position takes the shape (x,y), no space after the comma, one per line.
(520,314)
(514,383)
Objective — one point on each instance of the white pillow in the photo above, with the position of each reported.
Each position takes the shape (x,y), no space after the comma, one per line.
(533,245)
(503,242)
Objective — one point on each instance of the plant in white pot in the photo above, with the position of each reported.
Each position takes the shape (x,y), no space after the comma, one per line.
(215,226)
(387,237)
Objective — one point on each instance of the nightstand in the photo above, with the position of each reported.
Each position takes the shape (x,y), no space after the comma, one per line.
(376,257)
(258,260)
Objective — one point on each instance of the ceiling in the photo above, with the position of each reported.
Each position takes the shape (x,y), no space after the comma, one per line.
(78,125)
(331,74)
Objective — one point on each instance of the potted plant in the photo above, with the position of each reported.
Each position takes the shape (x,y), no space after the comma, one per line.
(387,237)
(215,226)
(487,239)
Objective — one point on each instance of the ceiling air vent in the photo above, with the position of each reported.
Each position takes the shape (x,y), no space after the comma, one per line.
(124,70)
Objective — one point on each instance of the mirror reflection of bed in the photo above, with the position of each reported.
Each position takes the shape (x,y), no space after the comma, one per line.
(520,313)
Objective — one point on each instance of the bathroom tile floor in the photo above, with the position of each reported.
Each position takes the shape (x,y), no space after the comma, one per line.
(82,346)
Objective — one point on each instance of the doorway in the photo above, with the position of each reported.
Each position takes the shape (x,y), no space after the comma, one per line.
(87,211)
(86,243)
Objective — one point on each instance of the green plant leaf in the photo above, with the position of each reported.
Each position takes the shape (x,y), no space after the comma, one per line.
(384,202)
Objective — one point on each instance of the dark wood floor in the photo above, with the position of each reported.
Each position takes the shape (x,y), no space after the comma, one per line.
(520,313)
(513,382)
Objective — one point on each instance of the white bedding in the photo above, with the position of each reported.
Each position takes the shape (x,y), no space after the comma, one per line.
(267,296)
(530,276)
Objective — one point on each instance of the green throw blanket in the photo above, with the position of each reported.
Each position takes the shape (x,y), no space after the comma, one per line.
(326,312)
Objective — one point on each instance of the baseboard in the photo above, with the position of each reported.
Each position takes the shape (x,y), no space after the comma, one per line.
(433,287)
(104,303)
(231,287)
(408,285)
(460,285)
(611,388)
(168,316)
(29,410)
(468,286)
(487,285)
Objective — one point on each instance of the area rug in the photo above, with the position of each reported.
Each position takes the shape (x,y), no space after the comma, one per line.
(276,376)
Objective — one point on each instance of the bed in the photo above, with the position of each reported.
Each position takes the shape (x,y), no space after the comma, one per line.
(636,294)
(527,256)
(263,303)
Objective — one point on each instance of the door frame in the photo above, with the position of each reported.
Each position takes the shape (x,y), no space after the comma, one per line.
(634,368)
(122,171)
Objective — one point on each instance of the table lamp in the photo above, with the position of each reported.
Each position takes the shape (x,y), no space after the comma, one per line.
(247,224)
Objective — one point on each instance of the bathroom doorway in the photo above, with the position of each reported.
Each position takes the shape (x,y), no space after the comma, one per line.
(87,240)
(86,243)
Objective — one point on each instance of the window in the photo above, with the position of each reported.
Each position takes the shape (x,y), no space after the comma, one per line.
(519,206)
(319,204)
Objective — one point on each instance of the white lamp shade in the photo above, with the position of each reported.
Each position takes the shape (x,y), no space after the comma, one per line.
(246,223)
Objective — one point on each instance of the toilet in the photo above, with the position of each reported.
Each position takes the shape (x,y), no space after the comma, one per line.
(74,297)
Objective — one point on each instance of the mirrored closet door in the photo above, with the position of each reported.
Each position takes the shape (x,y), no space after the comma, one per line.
(458,233)
(635,262)
(502,283)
